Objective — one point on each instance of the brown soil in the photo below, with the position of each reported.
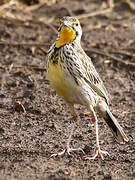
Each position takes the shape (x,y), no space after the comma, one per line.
(35,122)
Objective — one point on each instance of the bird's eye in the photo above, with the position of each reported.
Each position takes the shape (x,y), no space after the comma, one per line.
(77,24)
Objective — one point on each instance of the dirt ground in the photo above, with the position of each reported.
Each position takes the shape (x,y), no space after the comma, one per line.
(35,122)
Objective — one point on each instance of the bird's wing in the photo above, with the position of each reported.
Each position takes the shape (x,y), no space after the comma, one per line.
(88,72)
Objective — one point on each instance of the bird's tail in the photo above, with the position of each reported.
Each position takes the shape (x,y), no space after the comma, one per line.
(114,125)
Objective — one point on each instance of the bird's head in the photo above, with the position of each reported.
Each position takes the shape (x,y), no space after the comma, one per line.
(69,31)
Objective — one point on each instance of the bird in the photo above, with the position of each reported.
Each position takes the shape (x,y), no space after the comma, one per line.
(73,76)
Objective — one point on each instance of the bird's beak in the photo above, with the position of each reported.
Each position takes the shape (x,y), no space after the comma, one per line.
(65,23)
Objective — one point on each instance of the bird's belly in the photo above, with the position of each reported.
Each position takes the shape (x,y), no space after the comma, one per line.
(63,84)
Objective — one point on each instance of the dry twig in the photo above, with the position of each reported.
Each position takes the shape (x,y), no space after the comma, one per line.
(19,106)
(35,68)
(110,56)
(123,53)
(12,43)
(96,13)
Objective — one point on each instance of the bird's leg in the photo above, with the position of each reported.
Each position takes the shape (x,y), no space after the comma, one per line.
(68,149)
(98,151)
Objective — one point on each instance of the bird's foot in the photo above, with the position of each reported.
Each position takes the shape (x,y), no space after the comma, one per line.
(98,152)
(68,150)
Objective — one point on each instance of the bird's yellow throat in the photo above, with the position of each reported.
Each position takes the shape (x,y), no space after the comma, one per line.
(66,36)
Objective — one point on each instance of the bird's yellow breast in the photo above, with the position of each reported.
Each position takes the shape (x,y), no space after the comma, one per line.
(60,81)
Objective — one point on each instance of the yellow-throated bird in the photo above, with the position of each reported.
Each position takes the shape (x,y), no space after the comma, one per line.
(74,77)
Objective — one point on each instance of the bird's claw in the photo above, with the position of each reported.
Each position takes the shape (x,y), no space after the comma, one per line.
(58,154)
(68,150)
(98,153)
